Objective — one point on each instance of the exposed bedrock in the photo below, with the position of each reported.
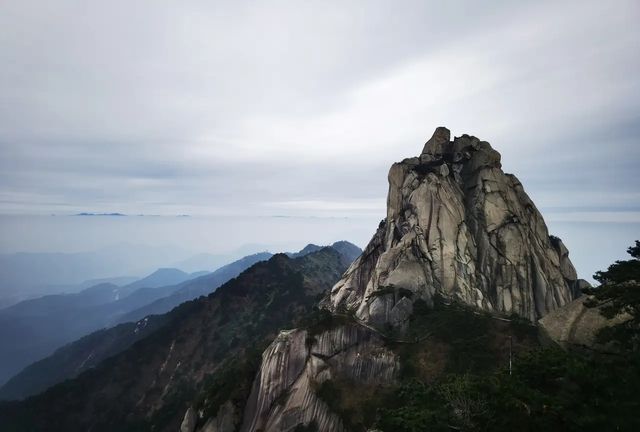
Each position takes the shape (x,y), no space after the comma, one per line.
(295,364)
(459,227)
(576,326)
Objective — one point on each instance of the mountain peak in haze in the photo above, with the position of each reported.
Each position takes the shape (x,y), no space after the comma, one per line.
(457,227)
(99,214)
(347,250)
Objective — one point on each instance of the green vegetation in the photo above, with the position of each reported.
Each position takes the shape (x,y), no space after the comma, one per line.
(549,390)
(619,293)
(452,348)
(319,320)
(398,292)
(622,271)
(356,404)
(455,338)
(231,382)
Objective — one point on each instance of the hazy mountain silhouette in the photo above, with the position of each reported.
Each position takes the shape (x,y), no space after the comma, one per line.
(203,285)
(25,275)
(90,350)
(201,335)
(33,329)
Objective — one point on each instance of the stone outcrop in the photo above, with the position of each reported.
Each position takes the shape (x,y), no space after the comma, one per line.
(576,326)
(224,421)
(457,226)
(296,363)
(189,421)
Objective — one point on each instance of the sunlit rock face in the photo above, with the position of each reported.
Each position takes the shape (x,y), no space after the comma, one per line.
(457,226)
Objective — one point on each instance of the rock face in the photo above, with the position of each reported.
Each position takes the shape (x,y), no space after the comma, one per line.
(224,421)
(296,363)
(575,326)
(459,227)
(189,421)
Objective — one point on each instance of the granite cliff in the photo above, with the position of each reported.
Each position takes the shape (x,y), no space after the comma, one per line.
(457,226)
(458,231)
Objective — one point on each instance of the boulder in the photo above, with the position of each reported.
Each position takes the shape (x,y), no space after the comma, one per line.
(576,326)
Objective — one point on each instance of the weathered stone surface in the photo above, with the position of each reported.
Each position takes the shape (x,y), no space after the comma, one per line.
(459,227)
(576,326)
(283,395)
(189,421)
(224,421)
(437,143)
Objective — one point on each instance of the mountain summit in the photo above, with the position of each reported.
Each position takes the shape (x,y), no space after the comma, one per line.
(460,228)
(460,238)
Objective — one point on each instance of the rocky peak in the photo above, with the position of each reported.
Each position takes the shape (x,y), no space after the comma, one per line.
(439,143)
(458,227)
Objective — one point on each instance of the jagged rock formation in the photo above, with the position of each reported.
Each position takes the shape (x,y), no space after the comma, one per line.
(296,363)
(459,227)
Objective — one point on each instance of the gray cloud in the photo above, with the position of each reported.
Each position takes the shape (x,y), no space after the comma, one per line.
(299,107)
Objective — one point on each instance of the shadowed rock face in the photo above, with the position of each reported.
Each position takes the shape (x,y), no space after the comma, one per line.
(576,326)
(284,396)
(459,227)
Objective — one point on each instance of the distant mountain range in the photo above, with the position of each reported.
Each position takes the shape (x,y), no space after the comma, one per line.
(198,338)
(25,275)
(100,214)
(32,329)
(122,214)
(28,275)
(202,286)
(197,287)
(106,305)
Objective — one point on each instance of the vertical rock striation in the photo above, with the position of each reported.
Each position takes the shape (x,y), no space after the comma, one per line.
(296,363)
(459,227)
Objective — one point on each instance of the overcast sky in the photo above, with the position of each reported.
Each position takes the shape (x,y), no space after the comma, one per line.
(299,107)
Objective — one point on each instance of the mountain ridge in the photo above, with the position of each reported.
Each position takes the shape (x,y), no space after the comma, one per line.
(90,350)
(140,382)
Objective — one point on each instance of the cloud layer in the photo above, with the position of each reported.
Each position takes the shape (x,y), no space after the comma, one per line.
(298,108)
